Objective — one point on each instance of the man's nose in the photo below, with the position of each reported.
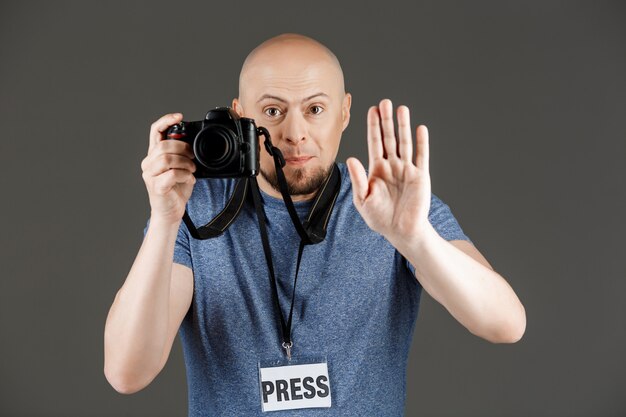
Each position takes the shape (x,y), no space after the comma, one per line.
(294,127)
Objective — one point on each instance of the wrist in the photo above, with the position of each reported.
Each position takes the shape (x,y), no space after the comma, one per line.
(164,222)
(414,243)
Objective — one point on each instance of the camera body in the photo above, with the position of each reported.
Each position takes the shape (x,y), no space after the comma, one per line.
(224,144)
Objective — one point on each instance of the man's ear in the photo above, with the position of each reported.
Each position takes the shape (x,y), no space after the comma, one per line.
(345,110)
(237,107)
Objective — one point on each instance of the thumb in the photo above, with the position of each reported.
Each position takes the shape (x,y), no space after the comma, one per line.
(359,181)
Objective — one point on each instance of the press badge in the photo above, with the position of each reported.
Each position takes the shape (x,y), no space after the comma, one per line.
(294,384)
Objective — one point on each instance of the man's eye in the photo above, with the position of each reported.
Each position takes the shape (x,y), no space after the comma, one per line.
(272,112)
(316,109)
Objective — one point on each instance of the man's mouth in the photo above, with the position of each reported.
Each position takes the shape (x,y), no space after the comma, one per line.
(298,160)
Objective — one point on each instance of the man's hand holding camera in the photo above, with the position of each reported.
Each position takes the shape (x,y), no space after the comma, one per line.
(168,172)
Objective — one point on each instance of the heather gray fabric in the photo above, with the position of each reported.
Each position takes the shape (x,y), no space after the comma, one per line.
(356,303)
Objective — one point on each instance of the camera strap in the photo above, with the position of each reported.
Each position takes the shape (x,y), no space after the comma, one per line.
(229,213)
(311,231)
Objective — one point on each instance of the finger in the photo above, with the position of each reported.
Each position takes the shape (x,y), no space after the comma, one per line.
(166,181)
(374,140)
(173,146)
(168,161)
(157,128)
(423,148)
(389,135)
(405,139)
(359,181)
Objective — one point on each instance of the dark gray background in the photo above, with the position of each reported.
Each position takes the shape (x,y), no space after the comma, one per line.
(525,104)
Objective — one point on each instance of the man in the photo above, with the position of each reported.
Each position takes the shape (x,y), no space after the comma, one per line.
(357,297)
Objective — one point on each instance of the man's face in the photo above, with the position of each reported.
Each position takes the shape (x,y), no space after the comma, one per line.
(301,102)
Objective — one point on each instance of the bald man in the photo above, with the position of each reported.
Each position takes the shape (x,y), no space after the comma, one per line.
(357,297)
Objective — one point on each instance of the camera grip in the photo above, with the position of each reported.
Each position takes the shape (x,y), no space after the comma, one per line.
(176,131)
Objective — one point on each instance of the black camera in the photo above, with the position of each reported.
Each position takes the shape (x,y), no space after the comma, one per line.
(224,144)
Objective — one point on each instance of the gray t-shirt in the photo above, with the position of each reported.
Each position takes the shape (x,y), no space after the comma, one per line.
(356,304)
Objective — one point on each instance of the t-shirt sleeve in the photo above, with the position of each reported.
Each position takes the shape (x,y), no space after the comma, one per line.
(444,222)
(182,252)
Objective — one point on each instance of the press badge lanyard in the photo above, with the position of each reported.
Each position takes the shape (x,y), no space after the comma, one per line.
(312,231)
(285,328)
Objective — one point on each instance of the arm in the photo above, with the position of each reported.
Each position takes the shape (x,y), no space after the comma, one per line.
(146,313)
(394,200)
(148,309)
(457,275)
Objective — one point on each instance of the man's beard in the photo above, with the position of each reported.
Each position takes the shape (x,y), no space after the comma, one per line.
(299,183)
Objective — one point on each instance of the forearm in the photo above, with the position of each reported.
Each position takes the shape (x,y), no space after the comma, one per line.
(478,297)
(136,327)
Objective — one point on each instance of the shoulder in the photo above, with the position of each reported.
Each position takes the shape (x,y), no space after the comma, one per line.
(344,199)
(444,221)
(346,183)
(439,215)
(436,204)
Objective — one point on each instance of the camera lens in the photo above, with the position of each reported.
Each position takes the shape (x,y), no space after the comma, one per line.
(215,147)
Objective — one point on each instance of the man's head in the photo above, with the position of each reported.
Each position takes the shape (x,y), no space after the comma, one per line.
(293,86)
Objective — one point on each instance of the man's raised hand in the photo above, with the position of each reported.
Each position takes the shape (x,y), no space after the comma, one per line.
(394,196)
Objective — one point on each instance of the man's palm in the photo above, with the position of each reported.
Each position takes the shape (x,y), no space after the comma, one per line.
(394,197)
